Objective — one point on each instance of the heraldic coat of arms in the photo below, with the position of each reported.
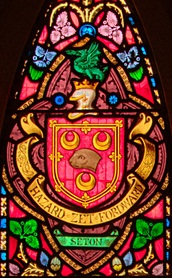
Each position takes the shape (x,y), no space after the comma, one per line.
(86,163)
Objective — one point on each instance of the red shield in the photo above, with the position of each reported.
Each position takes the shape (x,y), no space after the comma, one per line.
(85,159)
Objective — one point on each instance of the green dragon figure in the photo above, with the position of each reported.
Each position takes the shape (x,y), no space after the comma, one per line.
(89,62)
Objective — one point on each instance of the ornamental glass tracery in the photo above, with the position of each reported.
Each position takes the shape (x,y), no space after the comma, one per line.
(85,169)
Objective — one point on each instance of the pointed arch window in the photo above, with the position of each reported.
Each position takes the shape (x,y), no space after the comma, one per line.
(85,168)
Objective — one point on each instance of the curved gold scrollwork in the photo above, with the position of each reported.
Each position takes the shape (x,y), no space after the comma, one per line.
(149,156)
(36,191)
(143,126)
(102,145)
(85,186)
(29,126)
(57,8)
(69,145)
(23,148)
(22,158)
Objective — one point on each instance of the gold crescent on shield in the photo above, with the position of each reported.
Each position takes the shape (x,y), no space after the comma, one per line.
(102,145)
(85,186)
(70,145)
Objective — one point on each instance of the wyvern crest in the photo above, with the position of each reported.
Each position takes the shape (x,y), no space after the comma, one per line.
(85,159)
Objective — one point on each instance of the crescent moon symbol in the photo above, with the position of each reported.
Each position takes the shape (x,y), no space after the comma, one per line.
(69,145)
(102,145)
(85,186)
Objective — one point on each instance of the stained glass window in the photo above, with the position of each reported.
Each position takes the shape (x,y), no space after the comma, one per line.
(85,149)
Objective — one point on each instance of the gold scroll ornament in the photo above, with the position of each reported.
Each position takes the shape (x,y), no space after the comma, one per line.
(143,125)
(22,159)
(149,155)
(29,126)
(83,218)
(22,153)
(148,161)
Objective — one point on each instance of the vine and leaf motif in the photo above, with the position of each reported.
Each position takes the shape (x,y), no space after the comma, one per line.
(47,266)
(26,231)
(146,233)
